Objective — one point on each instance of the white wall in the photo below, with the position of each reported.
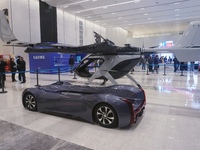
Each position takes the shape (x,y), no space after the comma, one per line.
(151,41)
(68,29)
(117,35)
(25,23)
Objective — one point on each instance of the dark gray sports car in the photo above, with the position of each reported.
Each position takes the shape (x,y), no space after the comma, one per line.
(111,106)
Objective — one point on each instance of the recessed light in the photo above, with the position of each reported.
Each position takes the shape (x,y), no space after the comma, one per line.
(137,1)
(176,3)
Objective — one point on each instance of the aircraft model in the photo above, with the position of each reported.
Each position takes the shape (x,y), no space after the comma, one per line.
(116,61)
(187,48)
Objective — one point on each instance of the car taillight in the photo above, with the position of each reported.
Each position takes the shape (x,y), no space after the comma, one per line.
(144,97)
(131,109)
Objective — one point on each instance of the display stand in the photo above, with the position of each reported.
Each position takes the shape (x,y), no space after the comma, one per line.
(37,78)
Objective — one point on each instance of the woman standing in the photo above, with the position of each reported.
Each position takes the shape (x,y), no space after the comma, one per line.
(13,69)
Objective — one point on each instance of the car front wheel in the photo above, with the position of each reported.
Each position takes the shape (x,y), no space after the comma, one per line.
(29,102)
(106,116)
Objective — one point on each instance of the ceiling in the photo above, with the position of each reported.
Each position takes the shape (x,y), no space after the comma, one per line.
(138,17)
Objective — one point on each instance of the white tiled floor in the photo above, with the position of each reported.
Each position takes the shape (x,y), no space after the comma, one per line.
(171,120)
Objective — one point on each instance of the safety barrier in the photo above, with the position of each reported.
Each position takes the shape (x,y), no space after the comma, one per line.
(58,70)
(165,66)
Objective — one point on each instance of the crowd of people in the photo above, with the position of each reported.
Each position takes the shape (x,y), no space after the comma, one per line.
(19,66)
(153,63)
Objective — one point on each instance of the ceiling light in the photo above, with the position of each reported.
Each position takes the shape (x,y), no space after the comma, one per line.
(177,15)
(142,8)
(129,24)
(176,3)
(176,9)
(146,14)
(113,13)
(125,21)
(148,18)
(111,5)
(119,17)
(137,1)
(177,19)
(75,3)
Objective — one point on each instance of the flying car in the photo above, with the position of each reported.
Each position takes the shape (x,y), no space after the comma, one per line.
(111,106)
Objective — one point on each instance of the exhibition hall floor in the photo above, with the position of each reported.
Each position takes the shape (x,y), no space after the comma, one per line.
(171,120)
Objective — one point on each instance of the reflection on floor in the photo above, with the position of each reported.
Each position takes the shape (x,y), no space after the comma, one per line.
(19,138)
(171,120)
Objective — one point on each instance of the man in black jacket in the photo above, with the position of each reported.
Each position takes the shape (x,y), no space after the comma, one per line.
(71,63)
(2,72)
(156,64)
(13,68)
(22,69)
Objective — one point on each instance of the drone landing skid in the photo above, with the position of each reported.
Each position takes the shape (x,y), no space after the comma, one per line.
(107,75)
(98,73)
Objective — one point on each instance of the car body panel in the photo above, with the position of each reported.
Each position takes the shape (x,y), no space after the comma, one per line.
(80,101)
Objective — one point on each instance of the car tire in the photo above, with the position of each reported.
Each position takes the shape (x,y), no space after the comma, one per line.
(106,116)
(140,113)
(30,102)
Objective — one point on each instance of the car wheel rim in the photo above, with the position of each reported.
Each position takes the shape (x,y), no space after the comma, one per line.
(30,102)
(105,115)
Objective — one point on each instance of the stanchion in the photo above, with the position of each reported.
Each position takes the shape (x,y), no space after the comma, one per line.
(37,78)
(164,69)
(147,69)
(182,73)
(2,84)
(74,76)
(58,74)
(182,68)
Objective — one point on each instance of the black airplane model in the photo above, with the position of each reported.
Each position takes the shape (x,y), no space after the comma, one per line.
(116,61)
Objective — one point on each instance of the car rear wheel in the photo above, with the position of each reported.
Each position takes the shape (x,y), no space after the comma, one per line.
(29,102)
(106,116)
